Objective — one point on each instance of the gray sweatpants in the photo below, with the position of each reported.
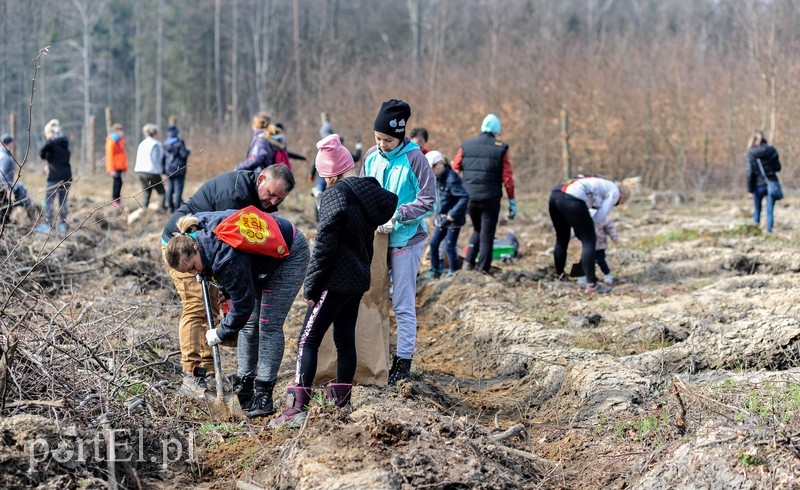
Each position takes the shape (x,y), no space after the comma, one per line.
(261,342)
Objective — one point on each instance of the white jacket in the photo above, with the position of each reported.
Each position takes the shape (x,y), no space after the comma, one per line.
(150,157)
(597,192)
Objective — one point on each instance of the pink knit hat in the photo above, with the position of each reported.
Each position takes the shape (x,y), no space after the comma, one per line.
(332,159)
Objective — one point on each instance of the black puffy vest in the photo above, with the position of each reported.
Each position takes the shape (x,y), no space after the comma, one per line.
(482,167)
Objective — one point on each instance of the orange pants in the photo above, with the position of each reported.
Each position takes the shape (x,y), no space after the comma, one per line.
(192,327)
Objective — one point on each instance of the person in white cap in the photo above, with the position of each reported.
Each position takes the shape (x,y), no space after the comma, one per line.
(452,201)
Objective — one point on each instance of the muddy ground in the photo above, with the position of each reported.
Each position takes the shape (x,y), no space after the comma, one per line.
(685,376)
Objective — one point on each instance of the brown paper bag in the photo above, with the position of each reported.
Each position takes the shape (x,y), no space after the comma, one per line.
(372,328)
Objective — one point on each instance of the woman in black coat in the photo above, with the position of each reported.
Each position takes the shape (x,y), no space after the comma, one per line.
(760,152)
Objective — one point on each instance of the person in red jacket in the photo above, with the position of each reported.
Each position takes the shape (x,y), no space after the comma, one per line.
(116,160)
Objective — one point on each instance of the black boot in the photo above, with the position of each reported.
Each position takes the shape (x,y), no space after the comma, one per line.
(262,401)
(401,369)
(245,392)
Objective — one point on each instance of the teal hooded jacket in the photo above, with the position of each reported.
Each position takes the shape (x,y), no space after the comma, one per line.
(406,172)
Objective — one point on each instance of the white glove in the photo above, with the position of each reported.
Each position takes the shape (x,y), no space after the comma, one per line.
(388,227)
(359,146)
(315,191)
(212,338)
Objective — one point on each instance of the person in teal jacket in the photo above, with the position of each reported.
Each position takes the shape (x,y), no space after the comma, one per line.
(400,167)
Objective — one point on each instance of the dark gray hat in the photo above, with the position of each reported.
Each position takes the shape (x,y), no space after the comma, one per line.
(6,139)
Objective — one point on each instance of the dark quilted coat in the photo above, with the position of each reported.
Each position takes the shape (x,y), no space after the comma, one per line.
(350,212)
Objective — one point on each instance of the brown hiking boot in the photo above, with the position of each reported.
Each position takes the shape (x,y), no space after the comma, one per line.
(194,384)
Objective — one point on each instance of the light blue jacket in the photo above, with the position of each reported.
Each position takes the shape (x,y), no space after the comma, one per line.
(406,172)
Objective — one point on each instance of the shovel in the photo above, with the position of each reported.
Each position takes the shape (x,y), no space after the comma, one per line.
(219,406)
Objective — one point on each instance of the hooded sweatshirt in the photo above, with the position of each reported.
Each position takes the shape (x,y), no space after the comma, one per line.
(238,273)
(349,213)
(406,172)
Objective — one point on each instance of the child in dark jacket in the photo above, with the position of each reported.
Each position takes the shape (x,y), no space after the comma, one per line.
(176,157)
(261,290)
(452,202)
(338,275)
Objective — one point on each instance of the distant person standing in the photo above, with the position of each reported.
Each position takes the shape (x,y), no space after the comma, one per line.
(59,176)
(176,157)
(150,167)
(116,161)
(259,154)
(420,137)
(400,167)
(485,169)
(763,164)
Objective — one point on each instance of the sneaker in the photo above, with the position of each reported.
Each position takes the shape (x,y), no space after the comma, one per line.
(116,203)
(194,384)
(582,281)
(431,274)
(43,228)
(450,274)
(609,279)
(61,227)
(597,288)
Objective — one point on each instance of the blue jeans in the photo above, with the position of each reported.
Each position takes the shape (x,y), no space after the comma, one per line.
(175,192)
(448,232)
(759,194)
(54,189)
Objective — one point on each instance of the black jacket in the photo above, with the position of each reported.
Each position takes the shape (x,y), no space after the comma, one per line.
(482,167)
(237,273)
(231,190)
(769,159)
(349,213)
(175,157)
(56,152)
(453,198)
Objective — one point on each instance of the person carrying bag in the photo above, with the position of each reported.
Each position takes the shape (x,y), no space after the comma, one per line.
(763,164)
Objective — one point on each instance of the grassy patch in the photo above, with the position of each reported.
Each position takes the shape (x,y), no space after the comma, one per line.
(687,235)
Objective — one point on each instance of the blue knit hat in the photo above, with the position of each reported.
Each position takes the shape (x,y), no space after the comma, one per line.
(173,131)
(490,124)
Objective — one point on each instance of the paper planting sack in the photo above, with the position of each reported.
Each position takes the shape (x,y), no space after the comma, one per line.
(372,328)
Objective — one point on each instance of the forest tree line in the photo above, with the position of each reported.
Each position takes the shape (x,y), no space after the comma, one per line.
(666,89)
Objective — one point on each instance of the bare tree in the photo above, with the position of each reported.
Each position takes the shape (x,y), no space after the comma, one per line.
(217,62)
(89,13)
(159,62)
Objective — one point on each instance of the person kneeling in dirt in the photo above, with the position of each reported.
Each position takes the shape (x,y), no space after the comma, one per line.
(261,290)
(14,194)
(569,209)
(231,190)
(338,275)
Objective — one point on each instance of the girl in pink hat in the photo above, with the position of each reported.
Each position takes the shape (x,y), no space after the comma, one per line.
(338,274)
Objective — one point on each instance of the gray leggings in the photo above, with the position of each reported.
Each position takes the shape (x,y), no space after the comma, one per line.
(261,340)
